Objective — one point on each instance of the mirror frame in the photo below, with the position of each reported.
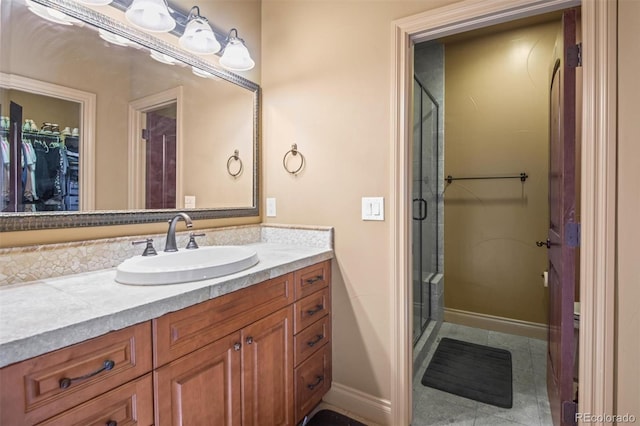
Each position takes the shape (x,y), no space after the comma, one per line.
(17,221)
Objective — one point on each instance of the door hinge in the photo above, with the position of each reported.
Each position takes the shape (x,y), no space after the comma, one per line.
(574,56)
(572,234)
(569,410)
(145,134)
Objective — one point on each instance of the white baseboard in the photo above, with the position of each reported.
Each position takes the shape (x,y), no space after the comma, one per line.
(489,322)
(361,404)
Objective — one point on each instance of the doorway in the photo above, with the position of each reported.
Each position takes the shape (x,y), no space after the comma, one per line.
(160,154)
(155,151)
(494,84)
(597,182)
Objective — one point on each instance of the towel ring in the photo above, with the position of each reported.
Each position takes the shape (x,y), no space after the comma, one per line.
(234,157)
(293,151)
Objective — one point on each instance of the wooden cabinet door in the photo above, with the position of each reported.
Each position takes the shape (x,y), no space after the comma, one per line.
(267,364)
(202,388)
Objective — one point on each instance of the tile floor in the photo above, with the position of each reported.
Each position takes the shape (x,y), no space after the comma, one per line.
(530,401)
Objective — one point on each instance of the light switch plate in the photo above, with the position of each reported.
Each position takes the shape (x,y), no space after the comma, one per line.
(271,207)
(189,201)
(372,208)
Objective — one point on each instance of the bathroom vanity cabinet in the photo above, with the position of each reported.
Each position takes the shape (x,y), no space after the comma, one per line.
(260,355)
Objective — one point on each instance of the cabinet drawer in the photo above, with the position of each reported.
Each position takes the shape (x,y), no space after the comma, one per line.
(128,405)
(181,332)
(47,385)
(310,309)
(312,278)
(313,380)
(312,338)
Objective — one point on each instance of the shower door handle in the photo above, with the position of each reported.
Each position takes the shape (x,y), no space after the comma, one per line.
(422,215)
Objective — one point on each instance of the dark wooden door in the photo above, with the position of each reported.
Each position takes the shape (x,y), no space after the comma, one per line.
(202,388)
(562,237)
(267,377)
(160,166)
(14,202)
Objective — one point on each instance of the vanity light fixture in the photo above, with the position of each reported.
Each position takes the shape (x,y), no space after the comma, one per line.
(51,15)
(204,74)
(198,37)
(165,59)
(235,56)
(150,15)
(116,39)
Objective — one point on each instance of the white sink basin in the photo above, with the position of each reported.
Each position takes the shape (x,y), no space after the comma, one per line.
(185,265)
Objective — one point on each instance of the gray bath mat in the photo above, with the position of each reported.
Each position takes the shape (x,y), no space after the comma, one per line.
(331,418)
(477,372)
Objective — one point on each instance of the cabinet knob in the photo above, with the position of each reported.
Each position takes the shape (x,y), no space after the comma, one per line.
(237,346)
(111,423)
(249,340)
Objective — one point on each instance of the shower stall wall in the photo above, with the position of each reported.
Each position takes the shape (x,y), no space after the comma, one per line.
(425,204)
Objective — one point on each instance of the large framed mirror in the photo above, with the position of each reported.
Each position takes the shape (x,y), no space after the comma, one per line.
(145,127)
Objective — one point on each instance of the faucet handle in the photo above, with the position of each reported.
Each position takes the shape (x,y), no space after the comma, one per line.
(192,240)
(148,250)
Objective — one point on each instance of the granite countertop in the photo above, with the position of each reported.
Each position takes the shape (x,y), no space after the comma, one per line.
(49,314)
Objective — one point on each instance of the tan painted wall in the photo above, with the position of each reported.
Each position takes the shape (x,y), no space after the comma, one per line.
(326,82)
(496,123)
(628,280)
(45,108)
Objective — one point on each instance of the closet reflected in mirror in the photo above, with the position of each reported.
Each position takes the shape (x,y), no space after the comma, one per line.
(107,152)
(48,176)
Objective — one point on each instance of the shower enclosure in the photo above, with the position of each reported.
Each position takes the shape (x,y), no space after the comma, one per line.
(425,204)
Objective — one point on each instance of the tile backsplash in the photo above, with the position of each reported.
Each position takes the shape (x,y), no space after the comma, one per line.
(25,264)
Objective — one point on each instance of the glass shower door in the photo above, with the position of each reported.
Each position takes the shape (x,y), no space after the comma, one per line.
(425,204)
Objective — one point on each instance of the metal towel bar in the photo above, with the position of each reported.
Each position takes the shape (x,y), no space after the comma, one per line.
(523,177)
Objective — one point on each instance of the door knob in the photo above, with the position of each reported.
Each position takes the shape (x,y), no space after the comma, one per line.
(546,244)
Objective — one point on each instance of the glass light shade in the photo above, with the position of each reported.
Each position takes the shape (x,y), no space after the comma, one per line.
(150,15)
(236,56)
(161,57)
(204,74)
(95,2)
(198,38)
(116,39)
(51,15)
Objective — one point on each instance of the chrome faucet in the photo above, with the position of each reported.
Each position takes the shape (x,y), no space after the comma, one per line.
(170,244)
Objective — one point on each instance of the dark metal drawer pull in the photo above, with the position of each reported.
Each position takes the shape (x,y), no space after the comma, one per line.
(314,279)
(316,310)
(319,380)
(65,382)
(313,342)
(111,423)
